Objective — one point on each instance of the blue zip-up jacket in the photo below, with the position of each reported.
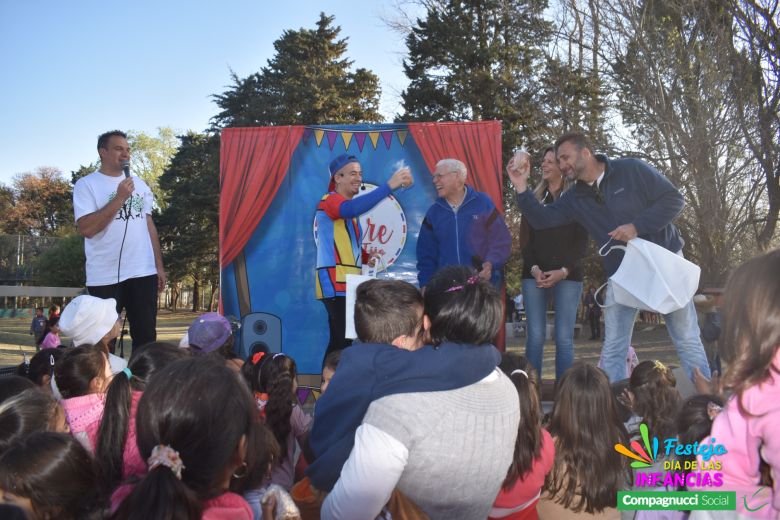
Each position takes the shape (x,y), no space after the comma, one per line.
(633,193)
(370,371)
(474,234)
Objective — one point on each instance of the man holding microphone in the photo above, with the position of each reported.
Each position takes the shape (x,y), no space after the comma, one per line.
(113,213)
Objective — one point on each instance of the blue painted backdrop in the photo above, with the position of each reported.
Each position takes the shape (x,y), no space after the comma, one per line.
(281,254)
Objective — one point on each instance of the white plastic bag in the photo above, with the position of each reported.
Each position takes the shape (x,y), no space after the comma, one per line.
(652,278)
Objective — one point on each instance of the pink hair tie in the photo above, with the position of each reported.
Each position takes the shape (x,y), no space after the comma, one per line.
(471,281)
(163,455)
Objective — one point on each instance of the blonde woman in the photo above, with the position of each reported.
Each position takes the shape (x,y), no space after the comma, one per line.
(551,271)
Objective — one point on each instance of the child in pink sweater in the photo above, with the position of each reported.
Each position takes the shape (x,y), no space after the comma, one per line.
(116,450)
(82,376)
(51,334)
(749,426)
(534,449)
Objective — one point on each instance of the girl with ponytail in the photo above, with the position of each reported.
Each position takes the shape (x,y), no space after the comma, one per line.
(274,381)
(116,452)
(534,447)
(194,421)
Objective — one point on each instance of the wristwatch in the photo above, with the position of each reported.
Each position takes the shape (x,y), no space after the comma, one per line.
(565,272)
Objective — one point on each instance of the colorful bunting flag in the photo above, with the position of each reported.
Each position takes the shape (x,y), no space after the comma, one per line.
(331,135)
(360,137)
(347,137)
(318,135)
(388,138)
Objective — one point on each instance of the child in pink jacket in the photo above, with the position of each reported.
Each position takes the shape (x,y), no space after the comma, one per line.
(749,426)
(116,451)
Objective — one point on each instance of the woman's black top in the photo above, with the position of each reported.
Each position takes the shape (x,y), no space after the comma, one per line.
(553,248)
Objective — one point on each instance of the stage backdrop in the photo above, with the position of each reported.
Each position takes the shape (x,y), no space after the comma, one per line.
(271,179)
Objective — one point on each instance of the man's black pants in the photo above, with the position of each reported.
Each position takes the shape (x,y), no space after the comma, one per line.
(138,296)
(337,322)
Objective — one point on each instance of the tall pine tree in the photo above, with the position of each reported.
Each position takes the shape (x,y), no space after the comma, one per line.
(478,60)
(190,239)
(308,81)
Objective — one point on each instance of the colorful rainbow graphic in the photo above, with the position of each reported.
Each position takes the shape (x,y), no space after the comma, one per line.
(640,454)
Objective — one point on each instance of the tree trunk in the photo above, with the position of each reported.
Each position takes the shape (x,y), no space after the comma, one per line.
(195,295)
(212,299)
(175,295)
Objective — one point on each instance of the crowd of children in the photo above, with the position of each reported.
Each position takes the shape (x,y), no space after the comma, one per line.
(421,418)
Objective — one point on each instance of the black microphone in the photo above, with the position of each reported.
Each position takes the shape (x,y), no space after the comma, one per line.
(126,168)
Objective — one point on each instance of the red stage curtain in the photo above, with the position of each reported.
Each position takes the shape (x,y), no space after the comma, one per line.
(477,144)
(253,163)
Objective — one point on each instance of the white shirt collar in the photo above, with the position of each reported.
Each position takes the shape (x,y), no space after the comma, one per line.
(598,181)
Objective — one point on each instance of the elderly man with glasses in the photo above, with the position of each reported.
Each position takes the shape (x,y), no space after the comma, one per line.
(462,227)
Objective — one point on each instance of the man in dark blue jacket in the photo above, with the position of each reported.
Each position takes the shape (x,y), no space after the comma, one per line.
(463,227)
(616,200)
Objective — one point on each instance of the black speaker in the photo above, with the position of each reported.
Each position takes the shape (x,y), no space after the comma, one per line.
(260,329)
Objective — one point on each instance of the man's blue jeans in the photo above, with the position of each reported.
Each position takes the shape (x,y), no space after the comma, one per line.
(566,294)
(683,328)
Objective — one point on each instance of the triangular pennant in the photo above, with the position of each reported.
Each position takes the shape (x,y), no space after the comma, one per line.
(360,137)
(303,394)
(318,136)
(347,137)
(332,135)
(307,134)
(374,136)
(402,136)
(388,138)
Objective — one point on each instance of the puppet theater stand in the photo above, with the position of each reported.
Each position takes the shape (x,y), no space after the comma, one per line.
(271,179)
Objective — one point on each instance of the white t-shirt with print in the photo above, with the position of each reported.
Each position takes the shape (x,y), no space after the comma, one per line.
(92,193)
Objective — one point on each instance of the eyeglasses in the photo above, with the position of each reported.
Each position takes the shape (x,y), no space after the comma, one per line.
(437,176)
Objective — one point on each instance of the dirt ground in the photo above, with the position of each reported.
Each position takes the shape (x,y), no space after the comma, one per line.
(651,341)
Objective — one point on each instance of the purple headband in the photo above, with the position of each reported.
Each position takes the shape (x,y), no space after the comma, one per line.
(471,281)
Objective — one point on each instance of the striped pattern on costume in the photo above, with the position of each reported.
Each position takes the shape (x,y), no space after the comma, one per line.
(339,251)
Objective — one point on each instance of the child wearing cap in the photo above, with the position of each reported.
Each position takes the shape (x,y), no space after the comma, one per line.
(211,335)
(89,320)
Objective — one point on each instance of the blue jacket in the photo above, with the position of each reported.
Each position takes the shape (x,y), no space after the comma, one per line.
(369,371)
(475,234)
(632,192)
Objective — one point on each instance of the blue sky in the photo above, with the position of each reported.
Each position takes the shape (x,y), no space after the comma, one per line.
(71,70)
